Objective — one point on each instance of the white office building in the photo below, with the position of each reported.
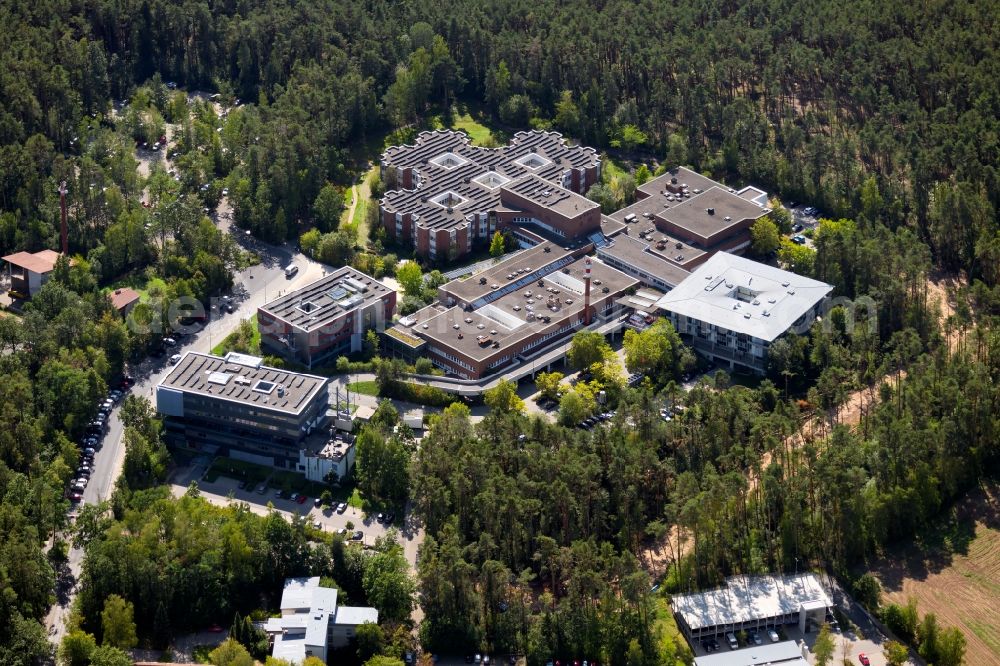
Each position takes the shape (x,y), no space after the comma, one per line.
(731,309)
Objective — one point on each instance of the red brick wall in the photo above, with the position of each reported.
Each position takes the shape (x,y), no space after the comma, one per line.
(422,241)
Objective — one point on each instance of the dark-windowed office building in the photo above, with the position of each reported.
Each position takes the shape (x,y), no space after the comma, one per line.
(236,406)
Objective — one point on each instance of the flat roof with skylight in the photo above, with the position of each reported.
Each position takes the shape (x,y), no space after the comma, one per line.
(328,298)
(244,379)
(745,296)
(534,304)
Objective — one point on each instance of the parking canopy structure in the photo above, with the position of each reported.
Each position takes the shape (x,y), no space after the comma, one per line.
(786,653)
(752,602)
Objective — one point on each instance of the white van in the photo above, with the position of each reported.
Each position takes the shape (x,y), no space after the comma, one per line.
(731,639)
(291,270)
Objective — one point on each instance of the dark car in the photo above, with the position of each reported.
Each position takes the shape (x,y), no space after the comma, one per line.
(358,536)
(301,499)
(800,240)
(797,228)
(390,518)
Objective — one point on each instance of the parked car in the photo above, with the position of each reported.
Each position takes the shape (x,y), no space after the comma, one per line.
(318,525)
(754,638)
(294,497)
(797,228)
(170,342)
(380,518)
(302,499)
(342,507)
(318,502)
(74,496)
(863,658)
(731,640)
(390,518)
(773,635)
(175,359)
(799,239)
(358,536)
(261,489)
(89,451)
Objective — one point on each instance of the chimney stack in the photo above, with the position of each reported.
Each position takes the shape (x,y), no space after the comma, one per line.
(586,294)
(63,230)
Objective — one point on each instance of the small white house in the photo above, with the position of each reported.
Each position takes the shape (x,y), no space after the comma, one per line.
(311,622)
(337,455)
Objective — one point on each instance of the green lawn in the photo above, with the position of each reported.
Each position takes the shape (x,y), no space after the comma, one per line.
(139,283)
(232,341)
(365,388)
(479,133)
(611,168)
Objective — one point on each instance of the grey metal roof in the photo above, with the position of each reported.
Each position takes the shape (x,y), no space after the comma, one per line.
(745,296)
(785,653)
(750,598)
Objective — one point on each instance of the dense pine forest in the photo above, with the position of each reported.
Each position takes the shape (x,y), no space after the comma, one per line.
(885,115)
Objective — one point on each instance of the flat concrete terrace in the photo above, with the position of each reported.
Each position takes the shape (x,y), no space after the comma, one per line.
(543,306)
(243,379)
(322,301)
(443,180)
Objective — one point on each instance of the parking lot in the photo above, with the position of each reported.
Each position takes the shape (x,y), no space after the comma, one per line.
(847,645)
(224,491)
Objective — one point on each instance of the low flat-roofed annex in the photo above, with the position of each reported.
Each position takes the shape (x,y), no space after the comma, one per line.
(328,298)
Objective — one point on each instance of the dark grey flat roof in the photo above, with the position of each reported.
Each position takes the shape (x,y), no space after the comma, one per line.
(501,322)
(692,214)
(464,173)
(522,264)
(544,193)
(633,252)
(332,296)
(684,176)
(238,377)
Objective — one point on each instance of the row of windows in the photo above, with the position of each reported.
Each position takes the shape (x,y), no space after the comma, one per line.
(547,336)
(453,358)
(447,368)
(534,220)
(499,361)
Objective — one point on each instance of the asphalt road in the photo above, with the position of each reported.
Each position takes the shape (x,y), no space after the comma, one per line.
(255,286)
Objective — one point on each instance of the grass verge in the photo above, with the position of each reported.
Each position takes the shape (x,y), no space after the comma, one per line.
(369,387)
